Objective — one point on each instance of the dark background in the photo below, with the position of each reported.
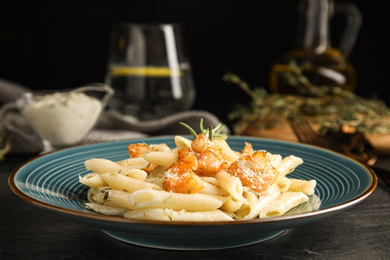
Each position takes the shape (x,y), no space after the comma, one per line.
(58,44)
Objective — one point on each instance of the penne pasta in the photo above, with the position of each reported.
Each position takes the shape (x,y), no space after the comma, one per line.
(128,184)
(214,215)
(182,142)
(134,163)
(149,198)
(161,158)
(304,186)
(225,185)
(283,183)
(232,205)
(148,214)
(253,210)
(286,201)
(211,189)
(230,183)
(288,164)
(105,209)
(227,152)
(106,166)
(92,180)
(110,197)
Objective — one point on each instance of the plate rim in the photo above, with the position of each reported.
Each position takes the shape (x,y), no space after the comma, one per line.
(120,220)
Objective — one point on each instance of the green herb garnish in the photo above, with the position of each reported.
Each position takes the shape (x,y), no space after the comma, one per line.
(211,132)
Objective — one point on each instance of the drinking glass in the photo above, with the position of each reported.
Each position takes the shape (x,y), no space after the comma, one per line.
(149,70)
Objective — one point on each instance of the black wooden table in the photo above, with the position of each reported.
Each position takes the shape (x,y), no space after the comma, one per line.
(28,232)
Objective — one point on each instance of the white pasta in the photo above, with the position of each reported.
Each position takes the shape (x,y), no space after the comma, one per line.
(160,147)
(211,189)
(227,152)
(286,201)
(214,215)
(148,198)
(92,180)
(124,183)
(133,188)
(253,210)
(161,158)
(283,183)
(182,142)
(304,186)
(134,163)
(288,164)
(110,197)
(106,166)
(232,205)
(157,214)
(105,209)
(230,183)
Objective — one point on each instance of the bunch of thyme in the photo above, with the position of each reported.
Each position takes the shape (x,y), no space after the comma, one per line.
(331,110)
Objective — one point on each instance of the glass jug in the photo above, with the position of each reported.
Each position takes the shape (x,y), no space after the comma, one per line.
(315,66)
(149,70)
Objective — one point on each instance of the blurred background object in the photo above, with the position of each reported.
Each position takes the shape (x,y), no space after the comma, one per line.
(57,44)
(315,65)
(149,69)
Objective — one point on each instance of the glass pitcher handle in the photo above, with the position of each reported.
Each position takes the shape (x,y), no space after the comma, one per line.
(353,20)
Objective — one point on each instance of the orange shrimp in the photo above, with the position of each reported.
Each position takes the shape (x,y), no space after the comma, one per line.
(254,171)
(138,150)
(247,148)
(210,157)
(179,177)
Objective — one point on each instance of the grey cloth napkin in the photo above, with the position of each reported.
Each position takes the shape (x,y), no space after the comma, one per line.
(112,125)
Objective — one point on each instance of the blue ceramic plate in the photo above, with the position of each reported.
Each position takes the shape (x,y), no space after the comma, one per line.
(51,182)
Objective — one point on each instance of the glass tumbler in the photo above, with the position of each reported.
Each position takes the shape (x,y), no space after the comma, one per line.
(149,69)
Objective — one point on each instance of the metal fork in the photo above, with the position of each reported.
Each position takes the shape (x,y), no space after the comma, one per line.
(306,134)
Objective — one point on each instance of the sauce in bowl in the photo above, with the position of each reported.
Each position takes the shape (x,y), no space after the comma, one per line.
(63,118)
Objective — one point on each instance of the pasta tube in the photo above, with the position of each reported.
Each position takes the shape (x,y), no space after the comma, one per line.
(283,183)
(161,158)
(106,166)
(214,215)
(228,154)
(230,183)
(288,164)
(92,180)
(148,214)
(162,199)
(110,197)
(105,209)
(253,210)
(128,184)
(304,186)
(286,201)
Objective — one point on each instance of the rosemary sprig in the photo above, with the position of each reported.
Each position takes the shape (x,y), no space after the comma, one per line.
(211,133)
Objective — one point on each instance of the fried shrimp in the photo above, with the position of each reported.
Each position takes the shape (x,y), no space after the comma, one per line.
(138,150)
(254,171)
(210,157)
(180,176)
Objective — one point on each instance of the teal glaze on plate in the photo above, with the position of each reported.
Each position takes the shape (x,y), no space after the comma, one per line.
(51,182)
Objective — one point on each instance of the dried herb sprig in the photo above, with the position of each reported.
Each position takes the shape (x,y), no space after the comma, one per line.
(332,110)
(211,133)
